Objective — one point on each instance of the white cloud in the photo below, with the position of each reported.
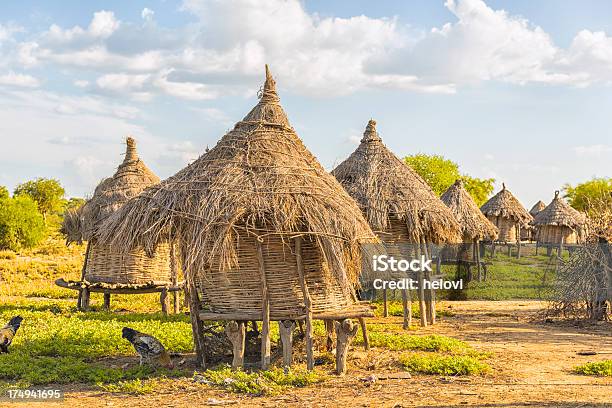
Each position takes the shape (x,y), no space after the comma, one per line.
(596,150)
(147,14)
(81,83)
(19,80)
(185,90)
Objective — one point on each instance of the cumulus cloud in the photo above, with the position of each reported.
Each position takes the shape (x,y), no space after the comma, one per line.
(147,14)
(19,80)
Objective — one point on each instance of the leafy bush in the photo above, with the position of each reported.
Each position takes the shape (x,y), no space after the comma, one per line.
(430,363)
(21,224)
(602,368)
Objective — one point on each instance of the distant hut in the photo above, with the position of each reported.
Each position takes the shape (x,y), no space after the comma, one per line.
(265,233)
(559,223)
(508,215)
(528,232)
(107,270)
(398,204)
(474,225)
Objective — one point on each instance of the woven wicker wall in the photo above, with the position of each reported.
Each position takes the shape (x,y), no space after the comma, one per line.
(239,290)
(553,234)
(135,267)
(507,228)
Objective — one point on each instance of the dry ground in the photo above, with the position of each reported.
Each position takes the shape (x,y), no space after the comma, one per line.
(532,365)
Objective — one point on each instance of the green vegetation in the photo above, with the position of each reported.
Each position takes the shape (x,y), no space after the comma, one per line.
(270,382)
(137,386)
(601,369)
(47,193)
(429,363)
(21,225)
(584,196)
(434,343)
(440,173)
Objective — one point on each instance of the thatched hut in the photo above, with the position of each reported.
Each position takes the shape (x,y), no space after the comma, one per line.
(528,233)
(264,232)
(475,227)
(559,223)
(105,269)
(398,204)
(507,214)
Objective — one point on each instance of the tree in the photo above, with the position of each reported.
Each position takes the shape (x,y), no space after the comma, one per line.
(47,193)
(4,193)
(584,196)
(21,224)
(73,203)
(440,173)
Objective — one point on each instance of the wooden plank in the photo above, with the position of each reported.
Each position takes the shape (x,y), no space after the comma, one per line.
(348,313)
(307,303)
(265,300)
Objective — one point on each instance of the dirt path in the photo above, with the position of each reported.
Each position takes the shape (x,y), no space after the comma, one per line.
(532,365)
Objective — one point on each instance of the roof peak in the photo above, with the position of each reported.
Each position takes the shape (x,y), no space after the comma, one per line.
(370,134)
(268,93)
(130,151)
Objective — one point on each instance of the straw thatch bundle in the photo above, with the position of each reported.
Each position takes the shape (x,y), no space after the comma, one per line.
(474,225)
(507,214)
(394,198)
(102,263)
(559,223)
(236,212)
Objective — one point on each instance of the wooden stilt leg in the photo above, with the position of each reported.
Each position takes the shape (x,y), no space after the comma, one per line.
(163,299)
(236,333)
(85,299)
(255,327)
(477,243)
(385,307)
(307,303)
(285,329)
(265,325)
(329,334)
(176,306)
(406,310)
(79,299)
(422,307)
(196,324)
(107,299)
(345,331)
(364,331)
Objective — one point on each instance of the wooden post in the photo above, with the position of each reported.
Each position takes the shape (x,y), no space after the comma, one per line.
(83,270)
(265,300)
(329,334)
(345,331)
(236,333)
(477,244)
(196,324)
(364,331)
(174,270)
(307,303)
(84,299)
(163,299)
(385,309)
(107,299)
(431,311)
(407,309)
(285,329)
(518,241)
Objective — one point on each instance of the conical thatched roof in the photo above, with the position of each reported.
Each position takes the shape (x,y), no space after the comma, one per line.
(559,213)
(537,207)
(474,224)
(258,179)
(130,179)
(384,186)
(505,205)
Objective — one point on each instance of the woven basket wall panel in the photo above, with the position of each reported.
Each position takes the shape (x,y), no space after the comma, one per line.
(507,228)
(554,234)
(240,290)
(135,267)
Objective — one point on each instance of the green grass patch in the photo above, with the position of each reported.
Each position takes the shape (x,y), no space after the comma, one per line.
(135,387)
(403,342)
(600,369)
(436,364)
(270,382)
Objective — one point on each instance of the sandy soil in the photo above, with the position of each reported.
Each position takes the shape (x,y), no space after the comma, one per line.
(532,367)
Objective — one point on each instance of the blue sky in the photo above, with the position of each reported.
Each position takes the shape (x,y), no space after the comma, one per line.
(515,90)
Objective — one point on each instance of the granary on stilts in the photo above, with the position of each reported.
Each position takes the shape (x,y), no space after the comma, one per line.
(509,216)
(107,270)
(559,224)
(528,233)
(399,206)
(265,234)
(475,227)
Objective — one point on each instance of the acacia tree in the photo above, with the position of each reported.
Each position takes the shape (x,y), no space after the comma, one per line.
(440,173)
(21,224)
(47,193)
(590,195)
